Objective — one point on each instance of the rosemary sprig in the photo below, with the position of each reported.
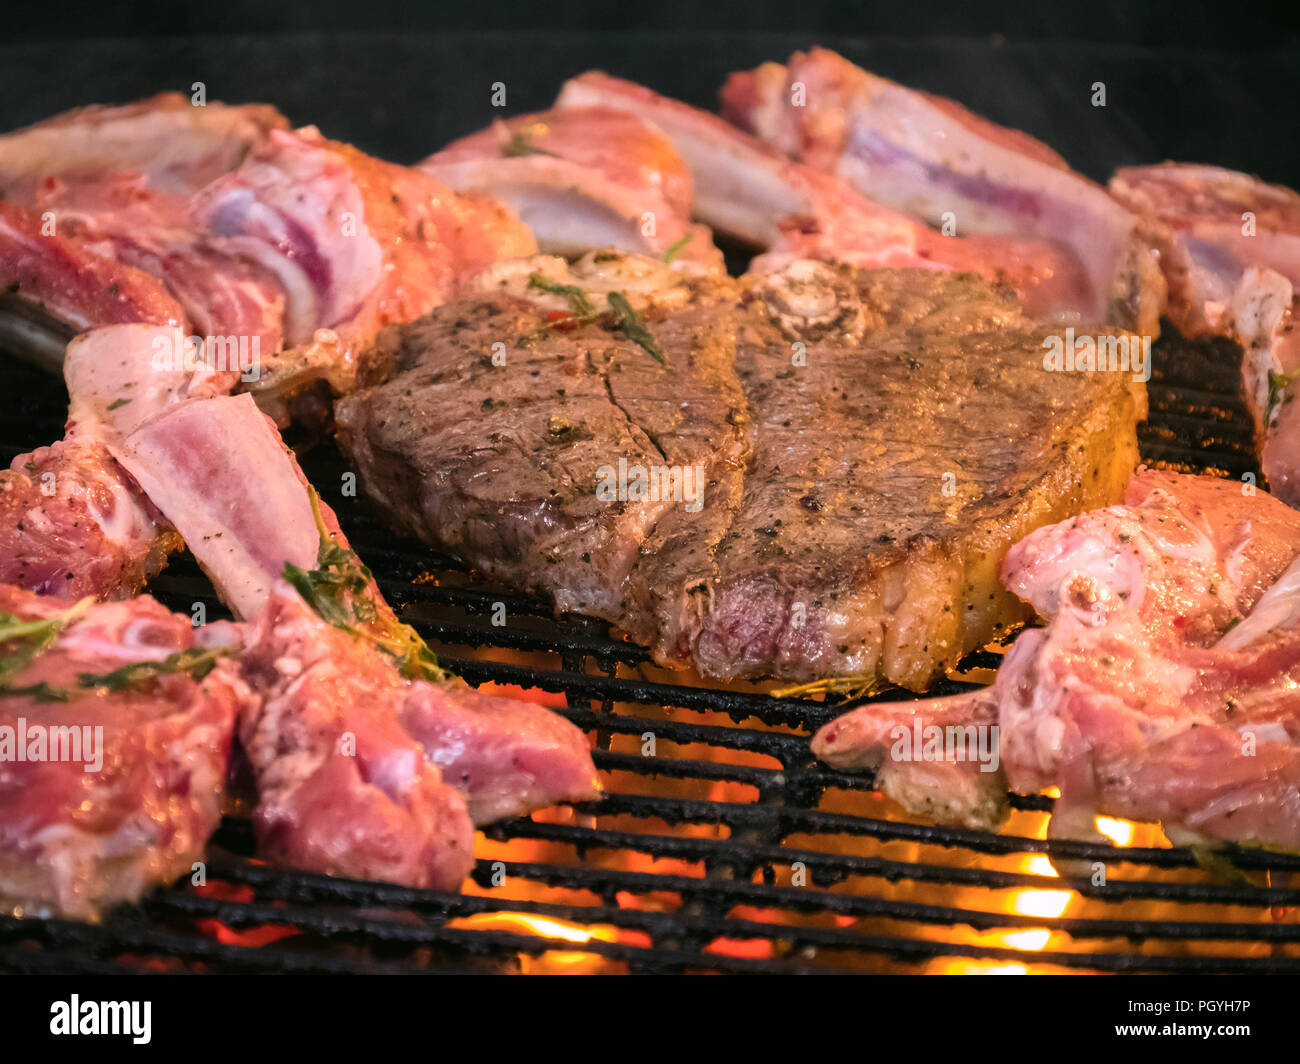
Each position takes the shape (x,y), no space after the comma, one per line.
(35,637)
(634,328)
(1218,863)
(1277,385)
(850,687)
(571,321)
(41,692)
(195,662)
(583,312)
(338,590)
(676,247)
(519,145)
(27,639)
(579,302)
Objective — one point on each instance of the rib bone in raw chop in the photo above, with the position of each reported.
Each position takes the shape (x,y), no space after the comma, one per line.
(936,161)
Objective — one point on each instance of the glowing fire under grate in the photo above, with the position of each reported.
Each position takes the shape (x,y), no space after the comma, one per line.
(729,849)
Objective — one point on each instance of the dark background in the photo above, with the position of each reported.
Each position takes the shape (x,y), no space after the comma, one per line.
(1212,83)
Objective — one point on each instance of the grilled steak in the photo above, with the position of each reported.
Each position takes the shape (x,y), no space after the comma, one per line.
(871,443)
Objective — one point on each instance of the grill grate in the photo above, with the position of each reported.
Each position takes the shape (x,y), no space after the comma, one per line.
(730,849)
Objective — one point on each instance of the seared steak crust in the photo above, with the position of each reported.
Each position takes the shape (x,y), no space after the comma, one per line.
(903,442)
(873,442)
(501,419)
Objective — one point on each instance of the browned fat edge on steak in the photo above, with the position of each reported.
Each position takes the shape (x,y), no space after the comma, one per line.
(906,435)
(873,442)
(500,418)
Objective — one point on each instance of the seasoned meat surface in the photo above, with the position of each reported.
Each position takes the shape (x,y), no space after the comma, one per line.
(906,434)
(502,431)
(106,789)
(870,444)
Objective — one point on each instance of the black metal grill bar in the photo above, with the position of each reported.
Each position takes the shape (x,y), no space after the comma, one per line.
(474,601)
(809,821)
(747,857)
(780,746)
(560,638)
(480,942)
(808,899)
(815,776)
(744,857)
(665,924)
(1169,455)
(331,924)
(796,899)
(830,868)
(114,940)
(1201,430)
(18,961)
(789,748)
(520,639)
(88,940)
(677,768)
(738,705)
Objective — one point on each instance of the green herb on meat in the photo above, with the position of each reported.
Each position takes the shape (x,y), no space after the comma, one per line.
(579,302)
(519,145)
(196,662)
(339,591)
(1277,385)
(582,311)
(634,328)
(22,641)
(41,692)
(840,689)
(676,247)
(1218,863)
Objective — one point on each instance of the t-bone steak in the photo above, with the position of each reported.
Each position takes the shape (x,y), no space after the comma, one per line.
(806,474)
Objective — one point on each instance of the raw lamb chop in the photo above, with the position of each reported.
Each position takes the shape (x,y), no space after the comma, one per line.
(747,190)
(72,520)
(932,158)
(176,145)
(144,715)
(582,179)
(1230,248)
(355,243)
(1132,701)
(283,241)
(506,757)
(343,788)
(113,183)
